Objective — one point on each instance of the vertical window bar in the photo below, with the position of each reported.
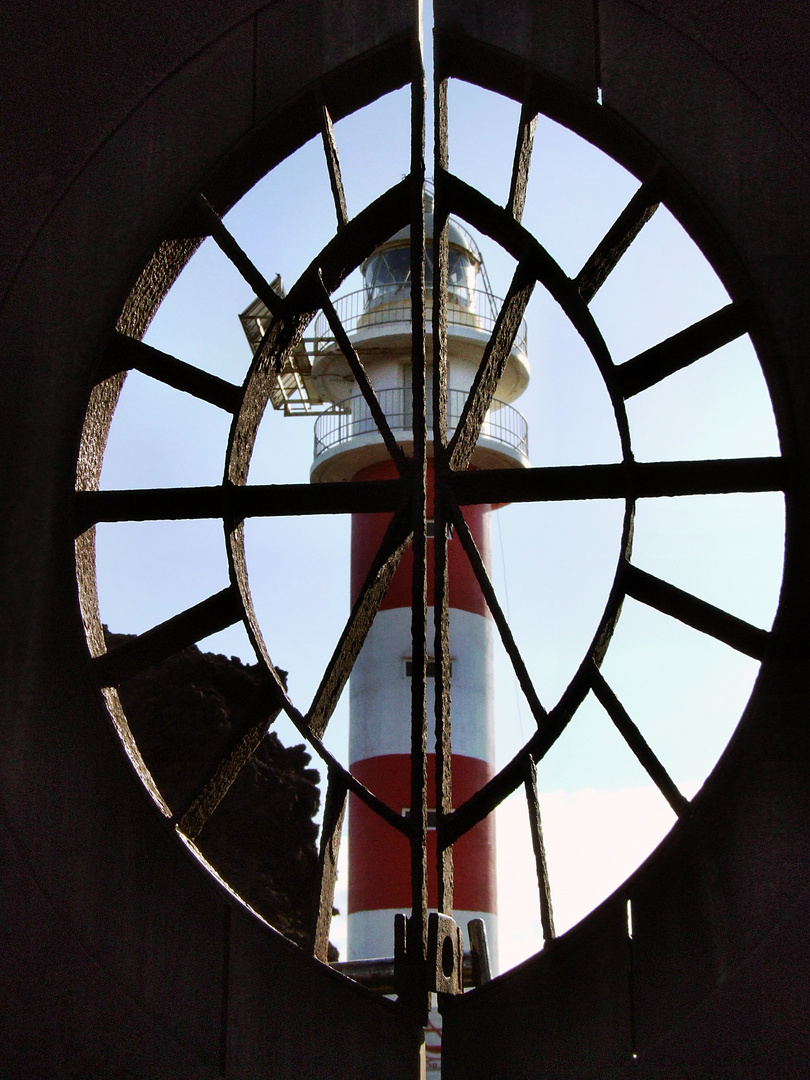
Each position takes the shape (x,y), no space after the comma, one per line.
(417,933)
(441,641)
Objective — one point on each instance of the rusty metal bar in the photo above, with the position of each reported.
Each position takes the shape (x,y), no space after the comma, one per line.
(157,504)
(333,165)
(523,157)
(443,745)
(349,497)
(124,353)
(236,503)
(637,743)
(492,366)
(632,479)
(331,828)
(441,624)
(696,613)
(355,631)
(170,637)
(471,550)
(682,349)
(229,247)
(441,247)
(539,848)
(618,239)
(249,731)
(359,372)
(417,927)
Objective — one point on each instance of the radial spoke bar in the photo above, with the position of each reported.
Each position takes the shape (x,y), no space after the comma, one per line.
(236,503)
(248,734)
(623,480)
(229,247)
(618,239)
(378,579)
(637,743)
(124,353)
(155,504)
(492,367)
(333,165)
(331,829)
(681,350)
(523,157)
(170,637)
(696,613)
(541,866)
(349,497)
(359,372)
(468,543)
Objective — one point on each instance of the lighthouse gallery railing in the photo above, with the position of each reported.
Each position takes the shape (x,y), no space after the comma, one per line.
(392,304)
(352,417)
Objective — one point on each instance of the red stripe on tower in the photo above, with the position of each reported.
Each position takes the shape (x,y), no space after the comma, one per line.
(367,534)
(381,879)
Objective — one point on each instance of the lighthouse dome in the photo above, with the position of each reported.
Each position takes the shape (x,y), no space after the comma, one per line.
(387,272)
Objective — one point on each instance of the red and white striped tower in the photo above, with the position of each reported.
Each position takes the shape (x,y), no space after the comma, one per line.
(347,446)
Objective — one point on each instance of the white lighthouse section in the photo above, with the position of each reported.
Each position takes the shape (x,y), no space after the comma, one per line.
(378,321)
(383,710)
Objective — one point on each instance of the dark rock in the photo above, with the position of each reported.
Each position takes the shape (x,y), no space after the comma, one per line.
(261,838)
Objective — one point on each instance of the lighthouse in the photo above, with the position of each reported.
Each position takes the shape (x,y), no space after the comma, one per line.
(348,446)
(317,379)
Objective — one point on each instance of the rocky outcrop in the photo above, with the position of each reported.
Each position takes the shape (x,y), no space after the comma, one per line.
(262,838)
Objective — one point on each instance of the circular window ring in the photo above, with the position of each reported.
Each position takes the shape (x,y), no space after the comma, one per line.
(352,244)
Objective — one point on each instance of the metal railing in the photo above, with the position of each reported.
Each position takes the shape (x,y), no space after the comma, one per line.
(351,418)
(480,314)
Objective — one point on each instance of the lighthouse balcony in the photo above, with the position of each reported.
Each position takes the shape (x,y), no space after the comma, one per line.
(472,313)
(347,439)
